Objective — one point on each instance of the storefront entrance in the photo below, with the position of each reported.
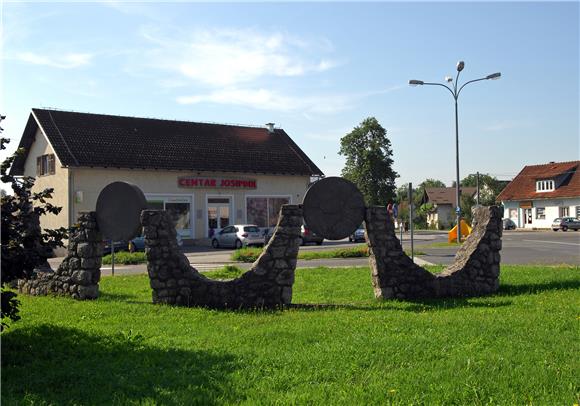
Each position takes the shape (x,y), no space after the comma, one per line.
(218,214)
(527,216)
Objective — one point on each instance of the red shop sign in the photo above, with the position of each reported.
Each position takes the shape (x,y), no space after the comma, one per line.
(215,183)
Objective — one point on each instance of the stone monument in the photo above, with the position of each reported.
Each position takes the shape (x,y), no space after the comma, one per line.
(474,272)
(119,206)
(268,284)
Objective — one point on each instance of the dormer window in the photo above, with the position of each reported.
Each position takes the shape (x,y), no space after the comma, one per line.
(545,185)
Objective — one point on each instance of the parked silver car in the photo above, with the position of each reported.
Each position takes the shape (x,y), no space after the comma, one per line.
(565,223)
(238,236)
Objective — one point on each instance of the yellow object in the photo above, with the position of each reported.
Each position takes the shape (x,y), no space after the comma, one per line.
(465,231)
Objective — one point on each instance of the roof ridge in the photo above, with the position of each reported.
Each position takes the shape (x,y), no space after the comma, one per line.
(554,163)
(49,109)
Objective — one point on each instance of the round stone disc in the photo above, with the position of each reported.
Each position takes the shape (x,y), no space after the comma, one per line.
(119,207)
(333,208)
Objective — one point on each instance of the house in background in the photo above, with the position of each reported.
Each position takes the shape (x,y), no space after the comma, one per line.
(443,200)
(541,193)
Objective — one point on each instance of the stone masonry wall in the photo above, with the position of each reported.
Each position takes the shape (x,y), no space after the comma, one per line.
(79,273)
(474,272)
(268,284)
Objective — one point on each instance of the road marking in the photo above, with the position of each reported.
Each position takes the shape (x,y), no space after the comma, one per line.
(554,242)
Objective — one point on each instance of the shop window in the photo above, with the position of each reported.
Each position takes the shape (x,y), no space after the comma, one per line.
(45,165)
(264,211)
(540,213)
(179,210)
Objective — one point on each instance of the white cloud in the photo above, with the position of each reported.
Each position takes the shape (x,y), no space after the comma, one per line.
(227,57)
(66,61)
(269,100)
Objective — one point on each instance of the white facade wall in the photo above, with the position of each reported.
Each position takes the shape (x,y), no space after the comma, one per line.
(58,181)
(161,184)
(552,208)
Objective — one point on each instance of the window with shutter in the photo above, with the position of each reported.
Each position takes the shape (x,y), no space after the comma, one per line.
(38,165)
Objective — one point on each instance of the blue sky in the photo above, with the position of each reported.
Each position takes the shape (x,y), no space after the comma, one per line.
(315,69)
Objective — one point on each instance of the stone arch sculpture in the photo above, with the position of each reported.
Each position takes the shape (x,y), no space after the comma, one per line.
(475,270)
(333,209)
(268,283)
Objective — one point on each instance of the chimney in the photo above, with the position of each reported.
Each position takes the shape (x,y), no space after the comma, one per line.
(270,127)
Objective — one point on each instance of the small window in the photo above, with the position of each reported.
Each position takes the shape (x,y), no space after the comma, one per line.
(45,165)
(544,185)
(578,212)
(564,211)
(540,213)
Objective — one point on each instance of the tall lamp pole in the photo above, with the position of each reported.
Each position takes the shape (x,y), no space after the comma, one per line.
(455,93)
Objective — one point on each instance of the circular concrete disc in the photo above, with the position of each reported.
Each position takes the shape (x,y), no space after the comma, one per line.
(119,207)
(333,208)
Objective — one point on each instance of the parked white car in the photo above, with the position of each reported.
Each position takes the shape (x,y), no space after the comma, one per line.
(238,236)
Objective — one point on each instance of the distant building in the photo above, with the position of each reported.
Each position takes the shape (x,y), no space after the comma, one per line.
(207,176)
(541,193)
(443,200)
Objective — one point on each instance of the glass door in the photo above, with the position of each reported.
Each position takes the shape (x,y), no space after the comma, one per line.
(218,214)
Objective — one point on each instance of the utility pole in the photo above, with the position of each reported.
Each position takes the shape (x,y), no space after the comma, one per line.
(411,219)
(477,185)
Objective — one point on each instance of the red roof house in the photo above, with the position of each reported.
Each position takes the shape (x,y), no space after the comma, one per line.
(541,193)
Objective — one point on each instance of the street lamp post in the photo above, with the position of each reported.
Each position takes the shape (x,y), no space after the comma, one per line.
(455,93)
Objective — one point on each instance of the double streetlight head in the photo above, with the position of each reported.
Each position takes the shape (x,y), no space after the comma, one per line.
(449,79)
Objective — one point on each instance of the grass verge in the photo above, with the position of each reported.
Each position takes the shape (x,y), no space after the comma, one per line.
(250,254)
(126,258)
(337,345)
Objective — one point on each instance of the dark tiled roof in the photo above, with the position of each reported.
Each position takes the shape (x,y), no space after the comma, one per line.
(446,195)
(97,140)
(523,186)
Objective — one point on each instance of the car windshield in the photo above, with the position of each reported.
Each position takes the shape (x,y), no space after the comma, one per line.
(251,229)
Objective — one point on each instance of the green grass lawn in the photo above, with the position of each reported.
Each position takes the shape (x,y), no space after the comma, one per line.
(338,345)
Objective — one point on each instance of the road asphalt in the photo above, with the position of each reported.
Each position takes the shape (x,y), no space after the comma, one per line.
(519,247)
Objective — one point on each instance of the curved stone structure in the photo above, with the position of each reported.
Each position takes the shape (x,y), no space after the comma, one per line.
(475,270)
(268,284)
(79,273)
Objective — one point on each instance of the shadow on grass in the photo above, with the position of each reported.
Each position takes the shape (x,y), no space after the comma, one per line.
(506,289)
(415,306)
(55,365)
(117,297)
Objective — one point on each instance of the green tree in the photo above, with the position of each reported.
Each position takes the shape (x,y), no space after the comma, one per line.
(25,245)
(467,203)
(368,162)
(489,187)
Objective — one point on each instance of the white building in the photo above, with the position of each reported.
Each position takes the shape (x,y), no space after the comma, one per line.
(207,176)
(541,193)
